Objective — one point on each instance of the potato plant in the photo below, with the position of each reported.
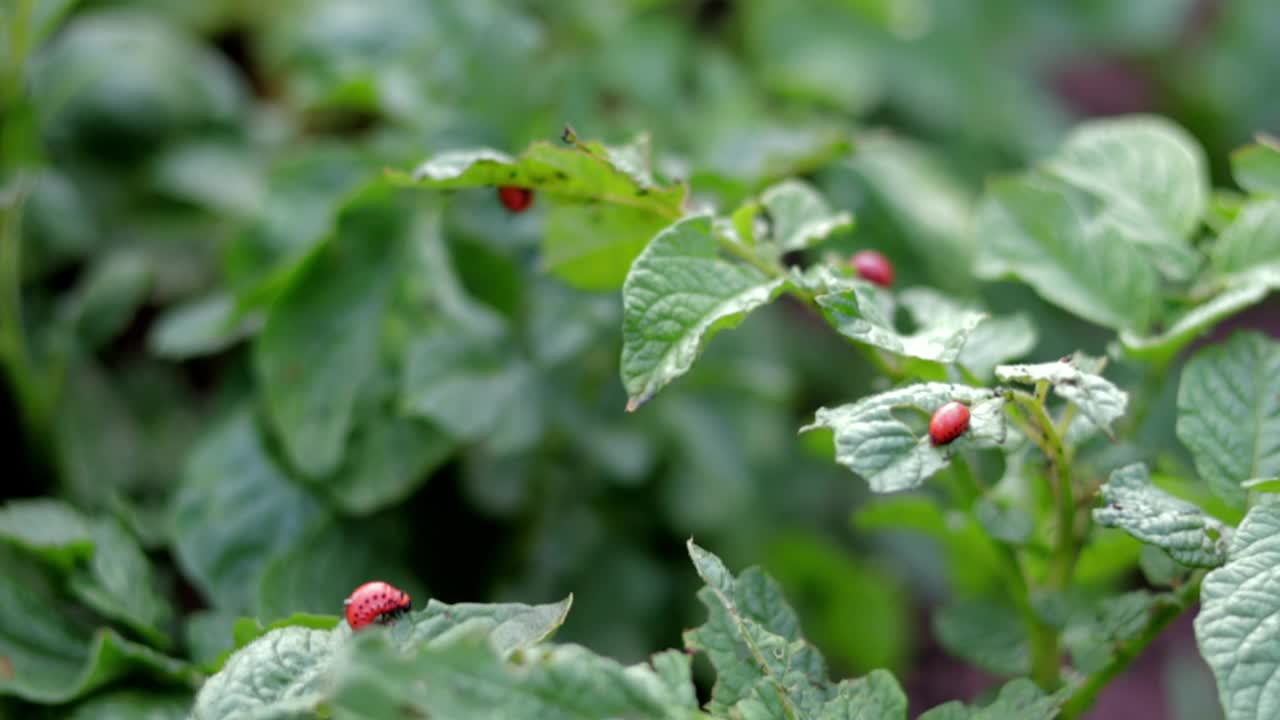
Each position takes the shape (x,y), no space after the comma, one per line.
(292,300)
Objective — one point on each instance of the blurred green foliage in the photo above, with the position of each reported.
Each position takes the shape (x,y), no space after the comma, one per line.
(246,379)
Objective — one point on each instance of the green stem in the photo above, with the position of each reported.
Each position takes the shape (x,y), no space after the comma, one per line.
(1125,653)
(1043,639)
(1066,548)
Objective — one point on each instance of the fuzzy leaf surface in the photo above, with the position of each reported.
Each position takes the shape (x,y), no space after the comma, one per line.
(1180,528)
(873,440)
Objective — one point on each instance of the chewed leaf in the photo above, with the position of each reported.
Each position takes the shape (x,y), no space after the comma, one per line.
(752,637)
(679,293)
(579,172)
(873,441)
(865,313)
(1097,398)
(1153,516)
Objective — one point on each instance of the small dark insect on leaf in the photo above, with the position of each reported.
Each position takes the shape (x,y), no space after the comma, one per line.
(569,136)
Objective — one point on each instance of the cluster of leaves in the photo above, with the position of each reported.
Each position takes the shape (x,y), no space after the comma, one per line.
(482,661)
(239,351)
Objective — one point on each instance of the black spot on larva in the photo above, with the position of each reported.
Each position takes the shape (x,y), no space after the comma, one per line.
(641,192)
(512,174)
(560,175)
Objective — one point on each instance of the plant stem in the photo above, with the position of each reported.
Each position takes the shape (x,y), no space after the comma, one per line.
(1125,653)
(1042,638)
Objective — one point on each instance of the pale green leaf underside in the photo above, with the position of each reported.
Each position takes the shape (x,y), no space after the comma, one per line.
(1150,176)
(1155,517)
(1032,229)
(1236,628)
(1096,397)
(1229,413)
(50,528)
(873,440)
(680,291)
(864,312)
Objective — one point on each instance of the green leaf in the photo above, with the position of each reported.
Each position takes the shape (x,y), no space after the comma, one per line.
(247,629)
(932,208)
(388,459)
(120,584)
(1252,239)
(1008,524)
(679,293)
(582,172)
(51,655)
(463,378)
(1019,699)
(751,635)
(1157,518)
(591,247)
(1235,627)
(997,340)
(984,634)
(292,668)
(757,156)
(1262,485)
(1152,179)
(460,676)
(1241,292)
(106,301)
(876,696)
(1095,633)
(133,705)
(1256,168)
(320,342)
(515,626)
(233,511)
(875,442)
(1074,381)
(799,216)
(48,527)
(281,675)
(1229,413)
(201,327)
(1031,229)
(865,312)
(323,566)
